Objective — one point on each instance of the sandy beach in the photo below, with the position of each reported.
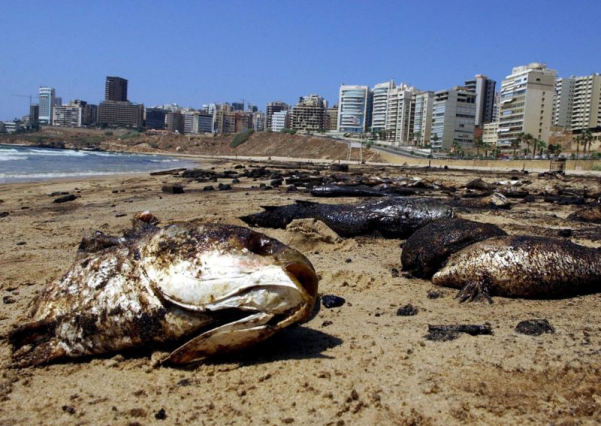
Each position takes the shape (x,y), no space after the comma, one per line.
(360,363)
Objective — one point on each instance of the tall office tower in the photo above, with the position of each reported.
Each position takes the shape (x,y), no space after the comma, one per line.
(526,103)
(484,88)
(34,114)
(422,124)
(155,118)
(309,114)
(115,89)
(400,115)
(453,118)
(258,119)
(379,108)
(47,97)
(273,107)
(577,102)
(353,107)
(238,106)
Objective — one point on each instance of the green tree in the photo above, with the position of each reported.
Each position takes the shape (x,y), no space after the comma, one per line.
(486,146)
(541,145)
(578,140)
(587,139)
(516,143)
(479,143)
(435,139)
(529,140)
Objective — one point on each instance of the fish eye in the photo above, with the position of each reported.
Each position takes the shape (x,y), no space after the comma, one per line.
(260,245)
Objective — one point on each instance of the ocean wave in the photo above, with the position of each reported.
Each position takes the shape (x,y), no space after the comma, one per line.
(2,150)
(58,153)
(12,157)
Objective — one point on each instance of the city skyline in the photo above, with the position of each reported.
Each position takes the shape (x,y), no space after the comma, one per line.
(202,52)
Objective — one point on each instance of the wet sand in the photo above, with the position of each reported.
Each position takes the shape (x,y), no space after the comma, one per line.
(356,364)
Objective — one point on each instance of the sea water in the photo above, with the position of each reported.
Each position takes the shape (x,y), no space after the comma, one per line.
(22,163)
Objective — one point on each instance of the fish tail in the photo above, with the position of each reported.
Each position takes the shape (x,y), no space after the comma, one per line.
(35,343)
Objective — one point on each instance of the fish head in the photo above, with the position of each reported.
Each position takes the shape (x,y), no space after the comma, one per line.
(251,284)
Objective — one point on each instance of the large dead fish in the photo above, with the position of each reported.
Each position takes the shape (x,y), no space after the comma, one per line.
(203,289)
(522,266)
(391,218)
(429,247)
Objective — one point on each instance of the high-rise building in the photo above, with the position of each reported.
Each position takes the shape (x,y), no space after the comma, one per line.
(332,118)
(47,97)
(155,118)
(453,118)
(353,109)
(175,122)
(526,103)
(238,106)
(115,89)
(422,124)
(34,114)
(401,114)
(123,114)
(70,115)
(280,120)
(380,94)
(577,102)
(490,133)
(484,88)
(309,114)
(258,119)
(273,107)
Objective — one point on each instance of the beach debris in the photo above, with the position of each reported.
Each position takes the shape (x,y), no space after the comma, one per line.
(433,294)
(566,232)
(429,247)
(173,189)
(590,214)
(451,332)
(168,172)
(4,214)
(208,188)
(522,266)
(407,310)
(391,218)
(331,301)
(478,184)
(201,288)
(333,190)
(65,198)
(534,327)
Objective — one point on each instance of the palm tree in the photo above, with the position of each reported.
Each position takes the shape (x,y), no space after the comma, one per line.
(529,139)
(578,140)
(541,145)
(519,138)
(479,142)
(486,149)
(587,139)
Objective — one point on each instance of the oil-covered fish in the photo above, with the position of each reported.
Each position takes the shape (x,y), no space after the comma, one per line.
(522,266)
(391,218)
(429,247)
(202,289)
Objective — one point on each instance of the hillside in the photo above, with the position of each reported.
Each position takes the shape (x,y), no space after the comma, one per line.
(259,144)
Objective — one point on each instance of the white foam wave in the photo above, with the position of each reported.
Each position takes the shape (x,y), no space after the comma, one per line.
(59,153)
(12,157)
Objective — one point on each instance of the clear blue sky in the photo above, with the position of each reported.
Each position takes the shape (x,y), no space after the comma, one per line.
(196,52)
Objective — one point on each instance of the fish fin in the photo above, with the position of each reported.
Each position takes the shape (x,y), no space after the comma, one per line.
(475,291)
(229,337)
(34,343)
(96,242)
(306,203)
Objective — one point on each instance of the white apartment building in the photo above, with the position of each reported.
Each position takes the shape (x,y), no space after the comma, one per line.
(280,120)
(490,133)
(67,115)
(400,115)
(586,103)
(379,111)
(563,101)
(453,118)
(526,103)
(422,124)
(47,98)
(353,109)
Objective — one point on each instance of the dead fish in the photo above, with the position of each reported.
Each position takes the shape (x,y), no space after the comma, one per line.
(332,190)
(522,266)
(391,218)
(429,247)
(203,289)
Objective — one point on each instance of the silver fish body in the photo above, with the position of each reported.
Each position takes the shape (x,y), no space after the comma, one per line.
(204,289)
(522,266)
